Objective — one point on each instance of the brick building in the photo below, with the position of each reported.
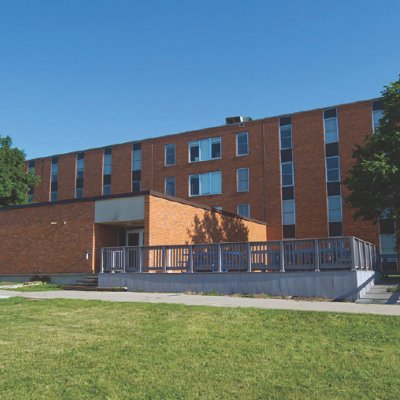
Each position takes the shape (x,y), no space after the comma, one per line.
(286,171)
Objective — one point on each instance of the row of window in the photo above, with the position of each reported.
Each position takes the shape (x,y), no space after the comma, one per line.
(209,183)
(207,149)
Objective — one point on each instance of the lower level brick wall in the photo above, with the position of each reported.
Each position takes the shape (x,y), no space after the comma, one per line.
(170,222)
(49,239)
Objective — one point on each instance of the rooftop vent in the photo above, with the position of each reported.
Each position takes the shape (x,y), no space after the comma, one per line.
(237,120)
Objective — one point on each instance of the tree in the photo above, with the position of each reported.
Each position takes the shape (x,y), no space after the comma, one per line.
(374,179)
(15,181)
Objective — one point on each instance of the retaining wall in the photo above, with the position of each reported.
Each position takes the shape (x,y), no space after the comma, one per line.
(329,284)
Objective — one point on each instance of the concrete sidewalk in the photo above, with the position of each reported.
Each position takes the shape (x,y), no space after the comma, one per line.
(213,301)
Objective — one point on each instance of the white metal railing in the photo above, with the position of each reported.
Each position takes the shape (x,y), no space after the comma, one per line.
(343,253)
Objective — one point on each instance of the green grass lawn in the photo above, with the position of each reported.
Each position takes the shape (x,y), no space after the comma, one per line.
(71,349)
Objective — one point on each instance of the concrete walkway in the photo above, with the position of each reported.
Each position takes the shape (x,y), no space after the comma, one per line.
(214,301)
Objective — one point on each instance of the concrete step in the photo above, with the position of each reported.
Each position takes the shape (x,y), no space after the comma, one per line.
(95,288)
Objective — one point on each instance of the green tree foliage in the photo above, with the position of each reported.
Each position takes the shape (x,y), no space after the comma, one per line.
(15,181)
(374,180)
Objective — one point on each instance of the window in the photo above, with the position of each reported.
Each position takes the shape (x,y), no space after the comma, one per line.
(388,244)
(334,209)
(107,189)
(288,212)
(218,208)
(376,118)
(204,184)
(136,166)
(107,161)
(79,193)
(136,158)
(243,210)
(331,131)
(31,169)
(54,179)
(31,166)
(205,149)
(80,167)
(377,113)
(170,154)
(332,169)
(287,174)
(242,144)
(170,186)
(107,169)
(286,137)
(330,126)
(54,169)
(242,176)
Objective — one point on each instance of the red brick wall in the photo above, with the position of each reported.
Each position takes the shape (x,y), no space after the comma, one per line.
(66,176)
(93,173)
(43,170)
(31,244)
(154,172)
(121,180)
(273,203)
(309,175)
(170,222)
(263,163)
(355,123)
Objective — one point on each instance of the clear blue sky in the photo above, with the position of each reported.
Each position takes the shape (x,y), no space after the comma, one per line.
(87,73)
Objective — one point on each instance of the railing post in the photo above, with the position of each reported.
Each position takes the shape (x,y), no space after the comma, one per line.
(359,255)
(316,255)
(191,270)
(102,261)
(371,261)
(353,254)
(164,259)
(248,248)
(140,250)
(219,257)
(282,256)
(124,259)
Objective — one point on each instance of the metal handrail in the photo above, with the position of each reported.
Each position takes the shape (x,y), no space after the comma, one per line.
(345,253)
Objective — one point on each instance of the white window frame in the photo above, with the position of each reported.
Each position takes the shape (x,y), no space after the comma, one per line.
(165,185)
(210,141)
(248,180)
(138,151)
(237,144)
(280,137)
(210,184)
(294,211)
(337,128)
(106,157)
(165,154)
(287,162)
(341,209)
(374,128)
(392,236)
(326,168)
(248,208)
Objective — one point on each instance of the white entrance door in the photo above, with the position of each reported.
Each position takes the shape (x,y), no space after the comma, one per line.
(134,237)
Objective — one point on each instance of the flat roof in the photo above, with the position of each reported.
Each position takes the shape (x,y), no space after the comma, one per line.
(125,195)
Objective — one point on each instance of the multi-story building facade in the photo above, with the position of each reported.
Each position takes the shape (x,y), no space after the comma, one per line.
(286,171)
